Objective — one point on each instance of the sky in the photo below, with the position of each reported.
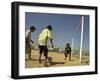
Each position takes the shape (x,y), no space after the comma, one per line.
(65,27)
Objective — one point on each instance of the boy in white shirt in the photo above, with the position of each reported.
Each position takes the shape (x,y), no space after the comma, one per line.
(43,38)
(28,40)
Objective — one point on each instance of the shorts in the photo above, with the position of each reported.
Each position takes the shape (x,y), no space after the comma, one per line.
(27,44)
(67,52)
(43,49)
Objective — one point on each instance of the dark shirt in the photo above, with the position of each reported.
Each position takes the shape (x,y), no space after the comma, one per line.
(68,49)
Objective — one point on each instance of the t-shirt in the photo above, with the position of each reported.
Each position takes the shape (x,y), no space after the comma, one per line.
(28,35)
(44,36)
(67,49)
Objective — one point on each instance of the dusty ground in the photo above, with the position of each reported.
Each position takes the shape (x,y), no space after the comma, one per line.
(57,60)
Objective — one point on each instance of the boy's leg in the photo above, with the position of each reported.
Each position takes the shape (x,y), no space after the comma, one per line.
(65,55)
(40,53)
(28,48)
(69,55)
(45,61)
(30,53)
(46,55)
(40,58)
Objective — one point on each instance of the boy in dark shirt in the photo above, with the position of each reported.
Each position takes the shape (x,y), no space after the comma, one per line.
(67,51)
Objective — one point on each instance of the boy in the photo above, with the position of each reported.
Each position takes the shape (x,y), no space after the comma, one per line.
(28,40)
(43,38)
(67,51)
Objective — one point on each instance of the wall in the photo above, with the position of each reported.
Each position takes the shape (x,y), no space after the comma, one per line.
(5,38)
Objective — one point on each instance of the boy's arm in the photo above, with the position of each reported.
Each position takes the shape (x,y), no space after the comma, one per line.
(51,40)
(70,50)
(32,41)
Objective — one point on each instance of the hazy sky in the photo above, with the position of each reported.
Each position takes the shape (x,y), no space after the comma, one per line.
(64,27)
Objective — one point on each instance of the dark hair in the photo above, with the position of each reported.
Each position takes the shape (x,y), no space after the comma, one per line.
(32,28)
(67,44)
(49,27)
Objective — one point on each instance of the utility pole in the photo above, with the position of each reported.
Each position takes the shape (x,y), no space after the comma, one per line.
(81,42)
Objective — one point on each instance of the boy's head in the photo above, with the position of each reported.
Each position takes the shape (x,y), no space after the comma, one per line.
(49,27)
(67,45)
(32,28)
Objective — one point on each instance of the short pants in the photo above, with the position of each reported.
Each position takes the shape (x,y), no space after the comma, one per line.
(43,49)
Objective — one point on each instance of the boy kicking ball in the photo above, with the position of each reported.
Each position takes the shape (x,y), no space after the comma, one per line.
(43,38)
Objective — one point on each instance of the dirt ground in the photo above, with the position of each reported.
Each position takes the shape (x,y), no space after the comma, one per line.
(56,58)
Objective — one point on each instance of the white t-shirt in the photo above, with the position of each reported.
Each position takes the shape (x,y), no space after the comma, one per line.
(28,35)
(44,36)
